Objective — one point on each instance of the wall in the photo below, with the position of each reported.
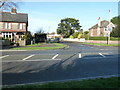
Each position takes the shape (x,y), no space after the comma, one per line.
(22,43)
(14,27)
(5,42)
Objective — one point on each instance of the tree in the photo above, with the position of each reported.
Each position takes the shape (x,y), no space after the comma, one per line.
(27,35)
(8,4)
(68,26)
(116,20)
(40,31)
(116,31)
(86,32)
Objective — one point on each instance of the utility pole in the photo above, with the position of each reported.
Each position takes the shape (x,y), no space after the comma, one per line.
(109,28)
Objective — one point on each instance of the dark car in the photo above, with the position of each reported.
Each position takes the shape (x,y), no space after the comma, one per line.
(56,40)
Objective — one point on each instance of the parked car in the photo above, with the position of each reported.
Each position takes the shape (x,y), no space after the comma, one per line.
(56,40)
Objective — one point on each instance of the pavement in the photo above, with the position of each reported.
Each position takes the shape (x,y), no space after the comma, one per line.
(75,62)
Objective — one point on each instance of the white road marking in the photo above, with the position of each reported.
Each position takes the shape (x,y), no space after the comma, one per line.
(28,57)
(55,56)
(32,60)
(4,56)
(80,56)
(102,55)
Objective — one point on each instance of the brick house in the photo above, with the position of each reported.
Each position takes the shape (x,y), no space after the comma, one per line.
(103,28)
(13,25)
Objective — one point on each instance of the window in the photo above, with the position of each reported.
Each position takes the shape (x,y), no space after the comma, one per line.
(7,25)
(20,26)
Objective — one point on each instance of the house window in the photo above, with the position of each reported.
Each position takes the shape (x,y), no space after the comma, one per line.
(7,25)
(20,26)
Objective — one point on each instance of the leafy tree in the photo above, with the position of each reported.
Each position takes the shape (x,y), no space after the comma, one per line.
(8,4)
(116,20)
(40,31)
(27,35)
(86,32)
(116,31)
(68,26)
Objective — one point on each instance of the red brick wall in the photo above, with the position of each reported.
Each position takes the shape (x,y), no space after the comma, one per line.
(94,32)
(101,31)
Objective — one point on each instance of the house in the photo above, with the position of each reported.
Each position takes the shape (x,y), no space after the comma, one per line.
(13,25)
(103,28)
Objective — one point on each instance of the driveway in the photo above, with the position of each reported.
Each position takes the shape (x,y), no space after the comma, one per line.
(71,63)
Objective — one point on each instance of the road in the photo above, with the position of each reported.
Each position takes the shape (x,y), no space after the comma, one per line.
(71,63)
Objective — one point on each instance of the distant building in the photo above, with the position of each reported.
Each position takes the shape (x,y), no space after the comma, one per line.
(13,25)
(103,28)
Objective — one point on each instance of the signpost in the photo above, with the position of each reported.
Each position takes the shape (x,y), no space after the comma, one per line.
(109,29)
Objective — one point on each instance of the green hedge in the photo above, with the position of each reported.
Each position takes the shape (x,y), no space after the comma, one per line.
(104,38)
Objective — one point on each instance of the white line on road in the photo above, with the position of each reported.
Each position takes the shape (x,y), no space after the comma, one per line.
(80,55)
(55,56)
(32,60)
(4,56)
(102,55)
(28,57)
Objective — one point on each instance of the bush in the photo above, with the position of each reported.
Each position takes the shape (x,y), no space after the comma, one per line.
(86,37)
(98,38)
(71,36)
(75,35)
(82,36)
(79,36)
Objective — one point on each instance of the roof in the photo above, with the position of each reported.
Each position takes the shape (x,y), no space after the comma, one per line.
(103,23)
(10,17)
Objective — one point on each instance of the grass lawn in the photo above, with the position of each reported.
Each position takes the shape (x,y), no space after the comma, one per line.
(102,44)
(36,44)
(91,83)
(39,47)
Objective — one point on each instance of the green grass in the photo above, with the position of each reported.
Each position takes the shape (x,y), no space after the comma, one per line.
(91,83)
(58,44)
(37,44)
(40,48)
(102,44)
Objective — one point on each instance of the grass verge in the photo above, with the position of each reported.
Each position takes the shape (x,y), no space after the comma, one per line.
(58,46)
(102,44)
(91,83)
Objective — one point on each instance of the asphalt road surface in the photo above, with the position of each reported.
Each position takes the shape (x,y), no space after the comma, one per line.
(71,63)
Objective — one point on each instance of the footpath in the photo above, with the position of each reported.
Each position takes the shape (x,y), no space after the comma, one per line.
(91,41)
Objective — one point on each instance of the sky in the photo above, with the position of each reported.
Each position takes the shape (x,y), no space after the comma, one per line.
(47,15)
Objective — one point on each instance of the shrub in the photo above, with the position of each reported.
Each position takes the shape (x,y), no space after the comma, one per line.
(98,38)
(82,36)
(75,35)
(71,36)
(79,36)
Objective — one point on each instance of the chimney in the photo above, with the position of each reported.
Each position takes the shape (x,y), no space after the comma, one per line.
(99,23)
(14,10)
